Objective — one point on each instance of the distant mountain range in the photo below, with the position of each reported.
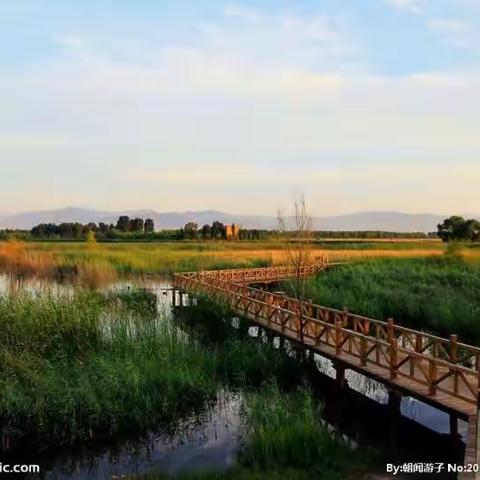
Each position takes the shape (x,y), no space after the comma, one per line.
(379,220)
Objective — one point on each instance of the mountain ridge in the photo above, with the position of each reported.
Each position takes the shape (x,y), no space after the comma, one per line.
(393,221)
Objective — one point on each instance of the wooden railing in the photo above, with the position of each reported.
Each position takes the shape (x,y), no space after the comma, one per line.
(424,363)
(261,274)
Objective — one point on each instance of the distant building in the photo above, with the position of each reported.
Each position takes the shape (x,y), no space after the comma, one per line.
(232,231)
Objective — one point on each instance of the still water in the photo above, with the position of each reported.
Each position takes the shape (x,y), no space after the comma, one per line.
(209,440)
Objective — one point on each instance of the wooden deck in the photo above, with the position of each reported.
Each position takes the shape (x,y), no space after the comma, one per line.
(442,372)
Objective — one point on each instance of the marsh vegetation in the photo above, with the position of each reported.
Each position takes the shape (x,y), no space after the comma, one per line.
(95,364)
(437,294)
(92,365)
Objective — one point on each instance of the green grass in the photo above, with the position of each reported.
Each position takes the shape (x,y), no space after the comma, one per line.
(92,366)
(441,294)
(86,366)
(286,432)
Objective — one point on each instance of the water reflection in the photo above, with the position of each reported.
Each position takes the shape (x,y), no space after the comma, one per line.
(203,441)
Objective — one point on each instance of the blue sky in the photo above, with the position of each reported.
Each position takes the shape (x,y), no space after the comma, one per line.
(174,105)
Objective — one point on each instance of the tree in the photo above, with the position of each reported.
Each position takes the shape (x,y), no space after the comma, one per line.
(218,230)
(457,228)
(103,227)
(77,230)
(123,223)
(190,230)
(206,231)
(471,230)
(65,230)
(149,226)
(135,225)
(298,253)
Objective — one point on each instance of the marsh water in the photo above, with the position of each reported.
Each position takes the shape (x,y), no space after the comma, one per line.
(209,439)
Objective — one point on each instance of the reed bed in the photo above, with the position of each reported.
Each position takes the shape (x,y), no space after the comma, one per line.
(437,294)
(286,433)
(94,264)
(90,365)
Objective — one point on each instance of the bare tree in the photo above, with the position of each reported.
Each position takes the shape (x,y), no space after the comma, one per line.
(296,231)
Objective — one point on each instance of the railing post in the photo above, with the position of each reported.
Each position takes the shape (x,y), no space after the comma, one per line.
(393,357)
(432,376)
(413,359)
(453,359)
(345,316)
(338,336)
(363,351)
(390,326)
(366,327)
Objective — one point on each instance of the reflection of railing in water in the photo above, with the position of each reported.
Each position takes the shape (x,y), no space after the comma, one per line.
(443,372)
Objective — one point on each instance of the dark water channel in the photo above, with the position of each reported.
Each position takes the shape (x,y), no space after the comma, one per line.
(209,439)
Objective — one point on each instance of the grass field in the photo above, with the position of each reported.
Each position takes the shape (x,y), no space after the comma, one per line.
(421,283)
(108,260)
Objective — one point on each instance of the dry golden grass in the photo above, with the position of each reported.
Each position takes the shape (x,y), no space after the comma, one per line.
(95,264)
(278,256)
(17,257)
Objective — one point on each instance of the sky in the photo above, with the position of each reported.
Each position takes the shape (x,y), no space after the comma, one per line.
(240,106)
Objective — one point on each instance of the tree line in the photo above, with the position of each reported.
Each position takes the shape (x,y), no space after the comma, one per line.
(454,228)
(77,230)
(370,234)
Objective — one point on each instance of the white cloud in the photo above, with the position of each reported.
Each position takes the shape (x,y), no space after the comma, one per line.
(263,107)
(416,7)
(453,31)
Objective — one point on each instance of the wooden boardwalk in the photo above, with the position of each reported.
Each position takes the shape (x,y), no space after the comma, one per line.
(442,372)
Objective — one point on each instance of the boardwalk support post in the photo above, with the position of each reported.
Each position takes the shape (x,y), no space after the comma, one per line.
(394,401)
(340,374)
(453,422)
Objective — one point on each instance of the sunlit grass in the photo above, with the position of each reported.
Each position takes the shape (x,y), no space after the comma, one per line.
(94,264)
(440,294)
